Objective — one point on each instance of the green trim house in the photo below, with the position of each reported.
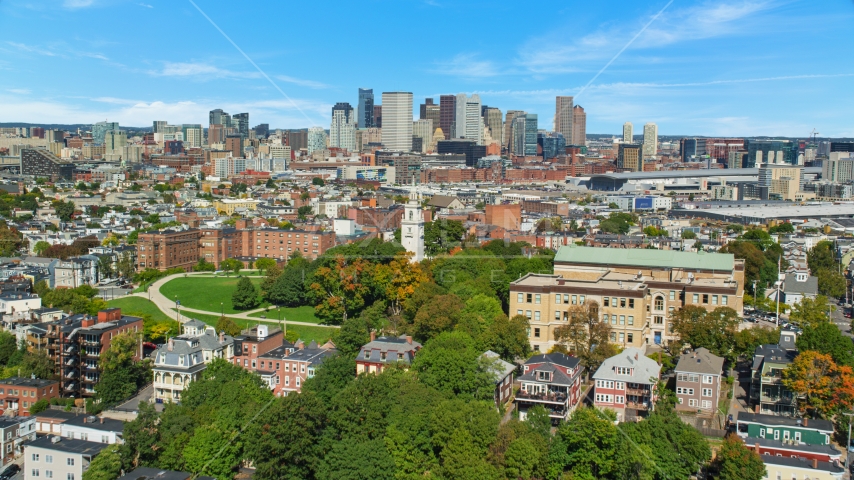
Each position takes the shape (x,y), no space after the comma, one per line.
(802,430)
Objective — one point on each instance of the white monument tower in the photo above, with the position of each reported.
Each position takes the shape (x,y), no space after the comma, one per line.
(412,228)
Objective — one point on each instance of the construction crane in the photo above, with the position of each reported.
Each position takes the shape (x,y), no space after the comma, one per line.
(813,135)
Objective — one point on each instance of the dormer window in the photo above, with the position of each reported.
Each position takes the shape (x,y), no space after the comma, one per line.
(544,376)
(623,370)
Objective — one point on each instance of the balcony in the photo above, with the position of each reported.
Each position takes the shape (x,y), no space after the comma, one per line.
(643,406)
(772,379)
(778,399)
(548,397)
(641,392)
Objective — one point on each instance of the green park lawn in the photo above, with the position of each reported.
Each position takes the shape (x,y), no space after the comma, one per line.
(205,293)
(298,314)
(137,307)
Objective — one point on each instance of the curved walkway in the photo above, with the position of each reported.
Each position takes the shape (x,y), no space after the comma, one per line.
(167,305)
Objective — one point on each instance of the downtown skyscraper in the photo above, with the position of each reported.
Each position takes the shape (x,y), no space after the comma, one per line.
(397,121)
(468,121)
(342,131)
(650,140)
(365,108)
(563,116)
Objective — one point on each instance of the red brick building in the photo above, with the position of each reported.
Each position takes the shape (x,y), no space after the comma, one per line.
(168,249)
(19,394)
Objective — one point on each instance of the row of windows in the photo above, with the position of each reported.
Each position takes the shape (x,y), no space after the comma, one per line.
(619,302)
(49,474)
(611,384)
(723,299)
(49,459)
(694,378)
(692,402)
(624,337)
(603,398)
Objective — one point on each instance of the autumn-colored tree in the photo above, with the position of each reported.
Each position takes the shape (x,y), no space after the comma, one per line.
(340,290)
(585,335)
(823,386)
(398,281)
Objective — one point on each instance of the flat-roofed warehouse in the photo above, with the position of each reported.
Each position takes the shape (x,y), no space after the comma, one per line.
(613,182)
(760,212)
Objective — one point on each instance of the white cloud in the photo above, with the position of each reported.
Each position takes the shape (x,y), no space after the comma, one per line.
(301,82)
(552,54)
(467,65)
(77,3)
(18,91)
(181,69)
(31,49)
(145,5)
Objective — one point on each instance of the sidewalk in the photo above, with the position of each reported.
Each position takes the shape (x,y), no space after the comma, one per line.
(168,306)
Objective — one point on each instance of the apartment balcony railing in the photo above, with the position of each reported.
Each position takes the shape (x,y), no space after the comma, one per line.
(551,397)
(638,405)
(641,392)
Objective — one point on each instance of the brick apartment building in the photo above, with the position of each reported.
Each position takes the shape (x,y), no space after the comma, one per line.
(18,394)
(508,217)
(168,249)
(286,368)
(184,248)
(75,344)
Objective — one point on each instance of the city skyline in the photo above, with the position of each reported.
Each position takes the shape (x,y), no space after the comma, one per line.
(694,68)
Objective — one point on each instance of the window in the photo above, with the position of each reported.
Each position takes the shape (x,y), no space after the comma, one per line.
(557,298)
(658,320)
(622,319)
(631,319)
(557,315)
(659,303)
(614,302)
(707,404)
(35,457)
(536,333)
(623,370)
(630,338)
(707,392)
(762,433)
(35,472)
(520,297)
(613,336)
(519,312)
(613,319)
(48,474)
(622,303)
(687,377)
(537,316)
(673,295)
(574,299)
(798,436)
(619,399)
(724,299)
(631,303)
(606,318)
(696,298)
(714,299)
(537,298)
(622,337)
(692,402)
(708,379)
(705,298)
(581,299)
(528,314)
(70,476)
(70,462)
(530,297)
(48,459)
(684,391)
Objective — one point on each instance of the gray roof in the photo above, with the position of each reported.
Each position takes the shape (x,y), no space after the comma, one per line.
(802,447)
(633,257)
(801,463)
(69,445)
(498,368)
(557,376)
(102,423)
(644,370)
(772,353)
(195,323)
(810,287)
(779,421)
(389,350)
(702,361)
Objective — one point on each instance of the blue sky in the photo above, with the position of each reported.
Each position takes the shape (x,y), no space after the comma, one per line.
(726,67)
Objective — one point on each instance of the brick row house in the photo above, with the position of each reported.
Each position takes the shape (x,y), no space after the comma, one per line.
(18,394)
(627,383)
(282,365)
(552,380)
(74,344)
(635,291)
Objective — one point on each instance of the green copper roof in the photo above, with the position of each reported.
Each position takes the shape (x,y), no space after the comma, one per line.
(637,257)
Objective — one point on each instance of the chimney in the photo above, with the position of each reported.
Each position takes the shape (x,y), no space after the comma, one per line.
(84,419)
(409,339)
(756,410)
(806,421)
(756,448)
(102,419)
(221,337)
(815,463)
(170,344)
(301,345)
(636,356)
(373,335)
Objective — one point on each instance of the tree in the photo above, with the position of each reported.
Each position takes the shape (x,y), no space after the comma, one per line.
(245,296)
(825,337)
(354,333)
(713,330)
(288,288)
(822,257)
(737,462)
(227,325)
(688,235)
(265,264)
(270,183)
(64,210)
(440,314)
(213,450)
(653,231)
(618,223)
(317,181)
(585,335)
(106,466)
(304,211)
(507,337)
(121,372)
(340,290)
(810,311)
(105,266)
(204,266)
(823,386)
(451,363)
(785,227)
(11,240)
(40,406)
(40,247)
(831,283)
(440,236)
(231,265)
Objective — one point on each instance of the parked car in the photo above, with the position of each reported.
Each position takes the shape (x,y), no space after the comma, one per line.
(10,471)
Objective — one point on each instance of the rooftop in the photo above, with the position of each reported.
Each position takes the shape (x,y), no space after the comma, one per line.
(645,258)
(27,382)
(68,445)
(700,360)
(775,420)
